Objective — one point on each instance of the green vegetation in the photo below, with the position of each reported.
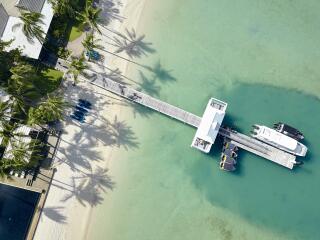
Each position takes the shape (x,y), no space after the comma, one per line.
(47,111)
(32,22)
(28,84)
(65,26)
(90,16)
(50,82)
(76,31)
(76,67)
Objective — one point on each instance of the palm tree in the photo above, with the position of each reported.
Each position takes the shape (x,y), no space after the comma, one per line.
(8,112)
(7,131)
(90,44)
(65,7)
(50,110)
(32,22)
(76,67)
(5,108)
(8,58)
(20,85)
(15,158)
(90,16)
(5,44)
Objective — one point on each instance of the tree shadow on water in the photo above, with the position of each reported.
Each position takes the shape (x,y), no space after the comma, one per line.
(149,85)
(141,110)
(161,73)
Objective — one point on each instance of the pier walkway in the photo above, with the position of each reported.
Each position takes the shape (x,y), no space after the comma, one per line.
(147,101)
(242,141)
(259,148)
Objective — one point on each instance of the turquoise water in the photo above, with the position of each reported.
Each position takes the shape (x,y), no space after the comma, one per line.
(262,58)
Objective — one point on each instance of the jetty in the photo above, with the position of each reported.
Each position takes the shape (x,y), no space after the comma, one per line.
(240,140)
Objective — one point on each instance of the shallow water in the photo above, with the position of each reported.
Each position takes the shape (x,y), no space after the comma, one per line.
(260,57)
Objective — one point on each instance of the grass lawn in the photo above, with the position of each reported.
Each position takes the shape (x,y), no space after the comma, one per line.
(50,81)
(76,32)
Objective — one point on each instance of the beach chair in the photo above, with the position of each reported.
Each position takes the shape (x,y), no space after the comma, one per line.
(81,109)
(86,102)
(77,118)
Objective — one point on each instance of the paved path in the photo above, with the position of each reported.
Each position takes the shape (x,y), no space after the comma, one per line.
(76,45)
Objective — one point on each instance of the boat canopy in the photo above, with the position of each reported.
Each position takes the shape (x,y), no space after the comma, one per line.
(277,138)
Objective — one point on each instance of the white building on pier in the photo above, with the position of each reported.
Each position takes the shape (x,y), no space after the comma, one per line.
(209,126)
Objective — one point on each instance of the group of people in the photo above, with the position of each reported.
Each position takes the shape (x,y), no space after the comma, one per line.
(133,97)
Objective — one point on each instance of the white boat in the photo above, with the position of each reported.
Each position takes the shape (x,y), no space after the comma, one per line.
(279,140)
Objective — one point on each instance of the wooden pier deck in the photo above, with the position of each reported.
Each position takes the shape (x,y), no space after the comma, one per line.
(242,141)
(259,148)
(147,101)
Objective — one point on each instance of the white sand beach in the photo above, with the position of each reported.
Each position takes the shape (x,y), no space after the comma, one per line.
(83,160)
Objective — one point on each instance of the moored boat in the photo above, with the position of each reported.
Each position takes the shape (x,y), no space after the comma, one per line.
(288,130)
(279,140)
(228,156)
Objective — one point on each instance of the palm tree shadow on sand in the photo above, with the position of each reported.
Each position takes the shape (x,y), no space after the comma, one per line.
(91,183)
(88,188)
(133,45)
(123,135)
(110,11)
(54,213)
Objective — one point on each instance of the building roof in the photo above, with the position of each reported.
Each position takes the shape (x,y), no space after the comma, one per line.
(10,7)
(23,130)
(13,27)
(4,17)
(31,5)
(210,124)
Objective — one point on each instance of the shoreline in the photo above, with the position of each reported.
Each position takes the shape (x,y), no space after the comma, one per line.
(68,210)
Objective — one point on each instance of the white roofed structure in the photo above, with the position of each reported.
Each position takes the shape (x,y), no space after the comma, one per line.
(24,138)
(11,24)
(209,125)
